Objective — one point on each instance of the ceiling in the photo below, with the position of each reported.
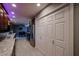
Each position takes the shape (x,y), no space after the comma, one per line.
(23,10)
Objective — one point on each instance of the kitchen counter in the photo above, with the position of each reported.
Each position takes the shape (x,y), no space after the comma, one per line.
(6,45)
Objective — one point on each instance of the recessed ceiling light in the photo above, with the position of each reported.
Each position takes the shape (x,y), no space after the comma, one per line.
(14,5)
(14,17)
(38,4)
(12,12)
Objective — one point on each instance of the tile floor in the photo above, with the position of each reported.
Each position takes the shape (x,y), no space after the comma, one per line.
(23,48)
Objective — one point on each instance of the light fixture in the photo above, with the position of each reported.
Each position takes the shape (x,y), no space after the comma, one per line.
(12,12)
(38,4)
(12,20)
(14,5)
(14,17)
(1,10)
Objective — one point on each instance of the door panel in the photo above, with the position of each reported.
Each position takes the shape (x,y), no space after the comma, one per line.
(59,41)
(59,15)
(60,31)
(61,34)
(46,35)
(59,51)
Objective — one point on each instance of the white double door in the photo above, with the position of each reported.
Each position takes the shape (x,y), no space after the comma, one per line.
(53,33)
(61,32)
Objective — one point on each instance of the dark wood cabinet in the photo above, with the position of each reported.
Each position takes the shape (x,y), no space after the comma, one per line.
(1,17)
(4,19)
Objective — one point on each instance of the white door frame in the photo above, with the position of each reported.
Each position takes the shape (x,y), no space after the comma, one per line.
(71,45)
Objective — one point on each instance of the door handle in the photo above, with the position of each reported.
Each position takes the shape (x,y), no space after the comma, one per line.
(53,41)
(40,37)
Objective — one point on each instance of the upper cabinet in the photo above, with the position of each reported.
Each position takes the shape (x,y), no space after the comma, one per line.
(4,19)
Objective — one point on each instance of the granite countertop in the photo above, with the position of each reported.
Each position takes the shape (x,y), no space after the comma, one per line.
(6,45)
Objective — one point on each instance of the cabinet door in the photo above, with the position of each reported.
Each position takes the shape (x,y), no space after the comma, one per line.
(44,35)
(53,33)
(61,25)
(1,20)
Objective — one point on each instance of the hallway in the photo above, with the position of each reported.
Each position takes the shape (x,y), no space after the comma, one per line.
(53,29)
(23,48)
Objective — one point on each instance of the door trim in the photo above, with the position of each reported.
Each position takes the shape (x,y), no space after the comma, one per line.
(71,37)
